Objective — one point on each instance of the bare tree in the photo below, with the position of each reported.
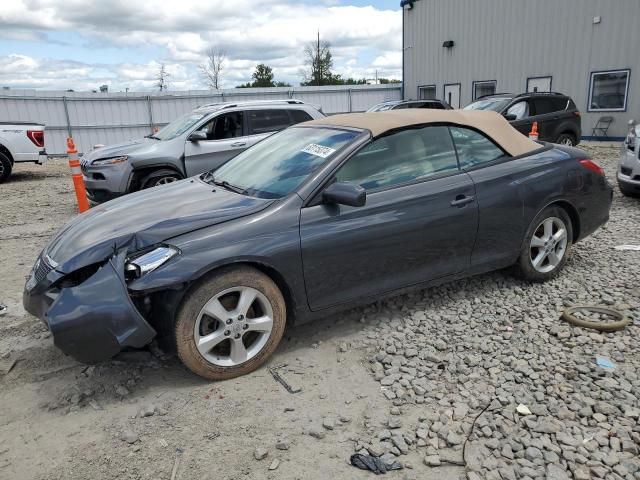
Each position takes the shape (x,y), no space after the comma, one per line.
(161,78)
(211,70)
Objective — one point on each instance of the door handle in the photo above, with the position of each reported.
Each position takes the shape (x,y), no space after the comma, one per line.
(238,144)
(462,200)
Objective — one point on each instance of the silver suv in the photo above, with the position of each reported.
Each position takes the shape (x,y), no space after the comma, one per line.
(194,143)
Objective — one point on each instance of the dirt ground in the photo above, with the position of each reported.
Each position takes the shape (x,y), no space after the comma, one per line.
(63,420)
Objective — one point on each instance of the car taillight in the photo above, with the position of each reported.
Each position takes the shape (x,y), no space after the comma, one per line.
(593,166)
(37,137)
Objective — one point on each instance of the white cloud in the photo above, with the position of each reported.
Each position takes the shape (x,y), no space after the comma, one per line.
(250,32)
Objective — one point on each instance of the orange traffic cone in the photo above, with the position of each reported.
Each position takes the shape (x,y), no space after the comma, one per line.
(76,174)
(533,134)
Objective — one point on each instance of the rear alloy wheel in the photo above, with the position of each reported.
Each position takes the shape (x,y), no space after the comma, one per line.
(230,324)
(5,167)
(566,139)
(160,177)
(546,245)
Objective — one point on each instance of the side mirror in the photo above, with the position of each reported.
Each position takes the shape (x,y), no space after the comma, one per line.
(345,193)
(510,117)
(197,136)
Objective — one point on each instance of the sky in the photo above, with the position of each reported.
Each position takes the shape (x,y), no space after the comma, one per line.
(81,45)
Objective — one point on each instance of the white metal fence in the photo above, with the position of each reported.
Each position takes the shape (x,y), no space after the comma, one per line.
(108,118)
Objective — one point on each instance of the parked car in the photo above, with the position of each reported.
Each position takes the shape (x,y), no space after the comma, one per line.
(402,104)
(558,117)
(20,142)
(317,218)
(629,164)
(194,143)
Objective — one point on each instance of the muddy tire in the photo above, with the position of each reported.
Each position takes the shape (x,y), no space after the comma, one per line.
(5,167)
(230,323)
(546,245)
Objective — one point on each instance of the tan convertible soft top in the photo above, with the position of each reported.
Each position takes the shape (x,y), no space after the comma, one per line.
(494,125)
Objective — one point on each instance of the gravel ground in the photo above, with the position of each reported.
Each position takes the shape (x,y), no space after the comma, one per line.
(403,379)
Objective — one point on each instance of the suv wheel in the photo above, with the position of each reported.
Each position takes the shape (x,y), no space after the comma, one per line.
(160,177)
(567,139)
(230,323)
(5,167)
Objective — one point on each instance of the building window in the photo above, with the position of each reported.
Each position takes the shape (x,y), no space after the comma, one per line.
(538,84)
(427,92)
(484,88)
(608,91)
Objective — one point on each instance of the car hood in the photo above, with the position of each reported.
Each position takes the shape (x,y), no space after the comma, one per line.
(137,147)
(146,218)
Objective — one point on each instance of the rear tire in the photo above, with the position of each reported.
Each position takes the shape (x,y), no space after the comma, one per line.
(5,167)
(628,192)
(567,139)
(546,245)
(230,323)
(160,177)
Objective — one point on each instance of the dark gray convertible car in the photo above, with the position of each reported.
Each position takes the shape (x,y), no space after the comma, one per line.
(319,217)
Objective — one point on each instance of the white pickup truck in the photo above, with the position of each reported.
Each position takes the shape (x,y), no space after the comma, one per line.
(20,142)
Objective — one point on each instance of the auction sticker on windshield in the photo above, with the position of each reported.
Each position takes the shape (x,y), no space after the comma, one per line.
(318,150)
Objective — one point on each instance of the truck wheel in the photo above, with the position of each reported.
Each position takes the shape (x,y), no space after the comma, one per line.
(160,177)
(5,167)
(230,323)
(546,245)
(566,139)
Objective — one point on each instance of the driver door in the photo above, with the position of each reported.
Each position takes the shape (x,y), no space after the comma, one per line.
(419,221)
(226,138)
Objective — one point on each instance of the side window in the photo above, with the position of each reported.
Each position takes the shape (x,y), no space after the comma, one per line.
(400,158)
(224,126)
(402,106)
(473,148)
(299,116)
(265,121)
(520,110)
(560,104)
(434,105)
(544,105)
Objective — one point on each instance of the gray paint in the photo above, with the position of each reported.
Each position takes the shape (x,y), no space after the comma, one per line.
(325,257)
(512,40)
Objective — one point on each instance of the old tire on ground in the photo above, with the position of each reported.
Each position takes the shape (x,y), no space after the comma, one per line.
(230,323)
(160,177)
(5,167)
(628,192)
(546,245)
(621,320)
(567,139)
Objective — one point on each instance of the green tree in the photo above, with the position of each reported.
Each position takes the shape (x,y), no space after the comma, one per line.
(263,76)
(318,62)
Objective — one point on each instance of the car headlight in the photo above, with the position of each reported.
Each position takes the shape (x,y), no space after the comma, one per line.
(137,266)
(110,161)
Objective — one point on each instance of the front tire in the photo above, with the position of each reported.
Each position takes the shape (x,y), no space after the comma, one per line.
(230,323)
(546,245)
(160,177)
(5,167)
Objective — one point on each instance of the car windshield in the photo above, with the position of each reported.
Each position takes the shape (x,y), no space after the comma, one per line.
(495,104)
(277,165)
(179,126)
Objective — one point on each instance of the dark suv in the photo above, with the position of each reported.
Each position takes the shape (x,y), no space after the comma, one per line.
(557,115)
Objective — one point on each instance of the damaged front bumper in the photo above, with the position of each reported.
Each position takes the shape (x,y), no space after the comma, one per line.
(93,320)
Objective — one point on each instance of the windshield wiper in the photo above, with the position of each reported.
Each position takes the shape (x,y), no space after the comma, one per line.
(228,186)
(151,136)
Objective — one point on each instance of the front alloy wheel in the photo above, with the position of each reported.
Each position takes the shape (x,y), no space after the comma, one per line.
(230,323)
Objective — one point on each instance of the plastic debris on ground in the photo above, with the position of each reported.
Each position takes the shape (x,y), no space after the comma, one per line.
(374,464)
(606,363)
(635,248)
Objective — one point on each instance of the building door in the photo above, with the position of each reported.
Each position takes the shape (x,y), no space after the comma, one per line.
(539,84)
(452,94)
